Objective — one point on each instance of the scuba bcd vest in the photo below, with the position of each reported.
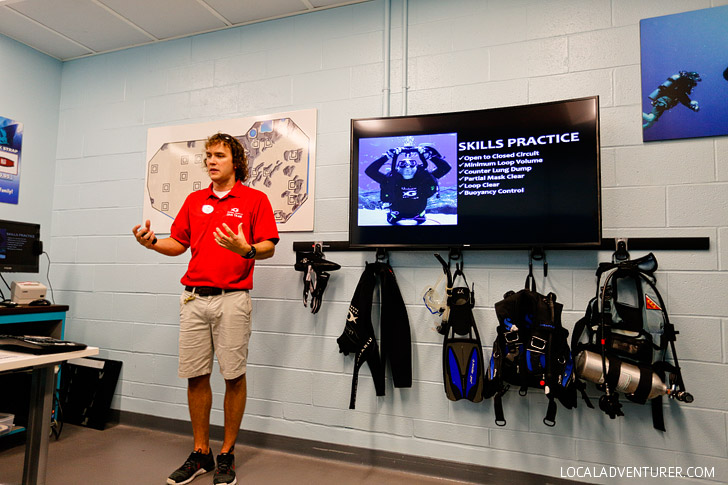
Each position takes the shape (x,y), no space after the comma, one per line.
(531,350)
(621,343)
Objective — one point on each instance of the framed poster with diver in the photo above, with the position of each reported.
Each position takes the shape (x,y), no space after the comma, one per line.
(685,75)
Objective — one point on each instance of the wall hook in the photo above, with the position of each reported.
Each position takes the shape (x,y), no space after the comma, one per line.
(621,253)
(537,254)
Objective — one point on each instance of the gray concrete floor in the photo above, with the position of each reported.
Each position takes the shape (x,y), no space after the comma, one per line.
(127,455)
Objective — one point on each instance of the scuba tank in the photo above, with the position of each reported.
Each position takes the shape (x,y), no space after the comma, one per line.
(589,367)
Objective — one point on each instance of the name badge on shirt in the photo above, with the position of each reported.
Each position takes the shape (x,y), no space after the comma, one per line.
(207,209)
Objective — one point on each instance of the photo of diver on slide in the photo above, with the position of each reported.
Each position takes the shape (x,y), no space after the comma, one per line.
(413,189)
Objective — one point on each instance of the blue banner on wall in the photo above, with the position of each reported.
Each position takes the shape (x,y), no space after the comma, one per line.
(11,140)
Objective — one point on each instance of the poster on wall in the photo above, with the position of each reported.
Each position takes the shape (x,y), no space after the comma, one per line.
(11,140)
(281,151)
(685,75)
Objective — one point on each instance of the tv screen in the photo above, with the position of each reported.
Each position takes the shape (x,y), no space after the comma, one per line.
(516,176)
(20,247)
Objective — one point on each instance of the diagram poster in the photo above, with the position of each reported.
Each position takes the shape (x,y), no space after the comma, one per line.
(685,75)
(281,152)
(11,140)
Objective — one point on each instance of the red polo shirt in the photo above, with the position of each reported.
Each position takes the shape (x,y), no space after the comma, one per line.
(202,212)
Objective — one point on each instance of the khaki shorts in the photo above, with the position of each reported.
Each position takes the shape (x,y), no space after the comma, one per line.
(218,324)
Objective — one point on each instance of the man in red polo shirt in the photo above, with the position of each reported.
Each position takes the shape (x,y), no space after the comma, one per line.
(227,227)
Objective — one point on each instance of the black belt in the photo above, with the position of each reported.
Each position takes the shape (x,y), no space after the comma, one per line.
(210,290)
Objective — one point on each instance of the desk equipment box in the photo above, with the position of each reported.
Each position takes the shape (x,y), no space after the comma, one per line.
(24,292)
(6,423)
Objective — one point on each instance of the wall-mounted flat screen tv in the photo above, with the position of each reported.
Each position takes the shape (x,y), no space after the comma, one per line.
(495,178)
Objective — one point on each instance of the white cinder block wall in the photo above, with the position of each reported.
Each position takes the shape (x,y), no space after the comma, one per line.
(465,54)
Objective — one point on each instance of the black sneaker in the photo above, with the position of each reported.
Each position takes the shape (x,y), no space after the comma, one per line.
(225,473)
(197,464)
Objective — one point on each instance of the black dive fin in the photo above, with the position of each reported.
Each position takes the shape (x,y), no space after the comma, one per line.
(463,368)
(462,354)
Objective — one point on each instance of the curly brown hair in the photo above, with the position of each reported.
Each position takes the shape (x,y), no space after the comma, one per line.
(240,161)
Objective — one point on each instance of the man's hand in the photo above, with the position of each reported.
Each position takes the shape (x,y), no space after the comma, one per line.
(428,152)
(144,235)
(393,152)
(229,240)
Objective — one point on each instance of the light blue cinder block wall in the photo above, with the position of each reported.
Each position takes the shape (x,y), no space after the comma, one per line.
(463,55)
(30,92)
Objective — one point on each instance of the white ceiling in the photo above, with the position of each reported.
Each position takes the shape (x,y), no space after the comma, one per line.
(68,29)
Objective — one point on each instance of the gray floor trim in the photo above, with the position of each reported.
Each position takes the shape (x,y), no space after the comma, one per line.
(350,454)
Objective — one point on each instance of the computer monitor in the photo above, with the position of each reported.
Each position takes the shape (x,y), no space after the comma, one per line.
(20,247)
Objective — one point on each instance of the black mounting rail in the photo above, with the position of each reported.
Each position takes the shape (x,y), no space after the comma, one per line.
(607,244)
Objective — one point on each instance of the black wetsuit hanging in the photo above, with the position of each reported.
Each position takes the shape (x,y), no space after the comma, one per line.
(359,339)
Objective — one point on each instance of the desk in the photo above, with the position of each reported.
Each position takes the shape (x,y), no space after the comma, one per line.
(41,399)
(46,320)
